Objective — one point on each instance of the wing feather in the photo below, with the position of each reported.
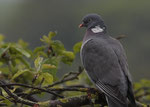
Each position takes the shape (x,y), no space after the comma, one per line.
(102,66)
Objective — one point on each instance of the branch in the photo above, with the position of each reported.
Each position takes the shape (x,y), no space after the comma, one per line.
(73,101)
(80,101)
(68,77)
(120,37)
(97,97)
(32,87)
(14,96)
(66,102)
(3,104)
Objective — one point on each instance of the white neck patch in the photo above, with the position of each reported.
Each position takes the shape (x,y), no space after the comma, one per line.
(97,29)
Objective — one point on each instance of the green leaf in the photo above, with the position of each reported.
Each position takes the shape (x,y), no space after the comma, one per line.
(58,47)
(48,66)
(6,101)
(40,53)
(19,73)
(22,51)
(22,43)
(52,61)
(24,61)
(3,50)
(77,47)
(68,57)
(39,49)
(48,78)
(13,61)
(5,70)
(1,63)
(1,37)
(47,39)
(51,34)
(38,63)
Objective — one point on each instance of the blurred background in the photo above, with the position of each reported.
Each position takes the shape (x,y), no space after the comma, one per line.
(30,20)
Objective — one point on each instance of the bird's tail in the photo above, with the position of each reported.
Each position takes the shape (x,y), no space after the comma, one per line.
(130,96)
(113,103)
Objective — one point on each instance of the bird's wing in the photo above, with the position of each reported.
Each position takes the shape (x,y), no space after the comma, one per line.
(118,49)
(101,63)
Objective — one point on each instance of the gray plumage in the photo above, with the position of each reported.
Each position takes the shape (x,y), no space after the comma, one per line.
(104,60)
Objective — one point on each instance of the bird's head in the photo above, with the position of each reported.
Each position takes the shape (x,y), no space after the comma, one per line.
(93,21)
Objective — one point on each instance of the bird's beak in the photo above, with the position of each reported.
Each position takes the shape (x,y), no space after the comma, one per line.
(81,25)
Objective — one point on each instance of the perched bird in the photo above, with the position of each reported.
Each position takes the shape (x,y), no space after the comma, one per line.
(105,62)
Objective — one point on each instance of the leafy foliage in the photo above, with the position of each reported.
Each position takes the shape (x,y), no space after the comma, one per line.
(16,61)
(142,90)
(38,68)
(77,47)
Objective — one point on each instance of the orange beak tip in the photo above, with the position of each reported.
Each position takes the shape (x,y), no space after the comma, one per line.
(81,25)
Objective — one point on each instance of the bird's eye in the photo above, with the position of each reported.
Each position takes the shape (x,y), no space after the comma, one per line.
(87,21)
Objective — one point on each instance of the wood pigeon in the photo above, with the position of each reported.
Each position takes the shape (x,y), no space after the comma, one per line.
(105,62)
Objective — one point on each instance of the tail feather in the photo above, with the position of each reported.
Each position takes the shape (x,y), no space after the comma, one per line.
(130,94)
(112,103)
(131,97)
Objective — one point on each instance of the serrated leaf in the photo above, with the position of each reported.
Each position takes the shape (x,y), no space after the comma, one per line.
(19,73)
(22,51)
(48,66)
(77,47)
(38,63)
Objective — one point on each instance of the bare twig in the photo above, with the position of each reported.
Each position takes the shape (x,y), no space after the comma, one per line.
(91,90)
(120,37)
(65,102)
(77,86)
(32,87)
(3,104)
(41,82)
(14,96)
(34,79)
(67,77)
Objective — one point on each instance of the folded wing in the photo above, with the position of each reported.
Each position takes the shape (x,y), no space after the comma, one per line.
(102,65)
